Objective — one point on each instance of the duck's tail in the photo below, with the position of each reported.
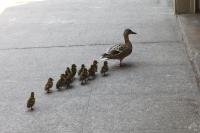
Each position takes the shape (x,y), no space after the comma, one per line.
(104,57)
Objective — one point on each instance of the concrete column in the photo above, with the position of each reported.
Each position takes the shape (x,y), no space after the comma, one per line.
(184,6)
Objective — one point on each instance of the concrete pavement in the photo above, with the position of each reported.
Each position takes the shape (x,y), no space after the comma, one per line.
(154,92)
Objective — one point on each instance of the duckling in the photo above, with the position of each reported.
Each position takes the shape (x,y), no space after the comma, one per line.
(92,71)
(48,85)
(61,82)
(120,51)
(73,70)
(68,71)
(82,67)
(84,76)
(31,101)
(68,80)
(95,65)
(104,68)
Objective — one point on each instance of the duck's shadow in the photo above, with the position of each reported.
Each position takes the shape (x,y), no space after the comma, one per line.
(126,66)
(65,88)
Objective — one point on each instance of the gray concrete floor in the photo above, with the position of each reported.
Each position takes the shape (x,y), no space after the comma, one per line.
(154,92)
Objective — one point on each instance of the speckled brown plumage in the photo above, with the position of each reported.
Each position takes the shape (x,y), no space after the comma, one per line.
(120,51)
(31,101)
(48,85)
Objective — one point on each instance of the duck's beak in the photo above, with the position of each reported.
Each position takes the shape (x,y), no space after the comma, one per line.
(133,32)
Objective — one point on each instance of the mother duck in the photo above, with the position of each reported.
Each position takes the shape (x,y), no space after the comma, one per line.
(122,50)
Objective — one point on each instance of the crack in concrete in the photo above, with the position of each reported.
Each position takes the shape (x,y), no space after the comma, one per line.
(64,46)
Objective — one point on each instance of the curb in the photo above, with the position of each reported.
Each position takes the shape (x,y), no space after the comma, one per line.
(192,53)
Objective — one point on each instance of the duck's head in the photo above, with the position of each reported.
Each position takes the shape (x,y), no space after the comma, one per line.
(128,31)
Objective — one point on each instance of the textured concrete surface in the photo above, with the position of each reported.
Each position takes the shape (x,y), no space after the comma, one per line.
(154,92)
(190,27)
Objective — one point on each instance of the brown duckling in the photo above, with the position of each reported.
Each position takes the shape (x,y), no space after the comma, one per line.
(73,70)
(82,67)
(68,80)
(104,68)
(92,71)
(48,85)
(84,76)
(31,101)
(61,82)
(70,76)
(95,65)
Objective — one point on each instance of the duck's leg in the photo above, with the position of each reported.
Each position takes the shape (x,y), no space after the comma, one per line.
(120,64)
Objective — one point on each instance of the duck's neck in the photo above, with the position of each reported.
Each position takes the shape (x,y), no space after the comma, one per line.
(126,39)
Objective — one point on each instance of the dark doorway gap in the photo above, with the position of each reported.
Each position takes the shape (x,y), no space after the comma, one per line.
(198,6)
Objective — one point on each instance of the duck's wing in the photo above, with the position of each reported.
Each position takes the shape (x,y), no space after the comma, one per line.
(117,47)
(114,51)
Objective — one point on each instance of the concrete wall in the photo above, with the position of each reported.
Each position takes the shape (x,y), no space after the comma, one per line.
(184,6)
